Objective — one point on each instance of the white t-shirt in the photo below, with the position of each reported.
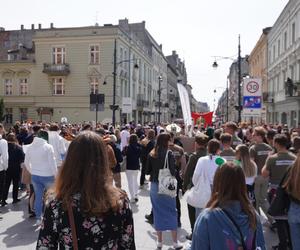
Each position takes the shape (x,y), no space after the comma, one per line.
(124,138)
(206,166)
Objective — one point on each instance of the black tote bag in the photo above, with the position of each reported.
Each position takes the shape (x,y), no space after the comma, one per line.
(281,202)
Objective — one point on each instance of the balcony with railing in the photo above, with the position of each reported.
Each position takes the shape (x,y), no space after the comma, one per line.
(56,69)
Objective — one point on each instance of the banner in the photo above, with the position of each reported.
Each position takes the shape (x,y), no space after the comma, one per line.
(185,105)
(204,118)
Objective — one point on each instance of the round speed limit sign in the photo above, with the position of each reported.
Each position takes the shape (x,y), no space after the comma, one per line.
(252,87)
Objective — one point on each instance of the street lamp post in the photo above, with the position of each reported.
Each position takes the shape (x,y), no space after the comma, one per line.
(239,82)
(159,95)
(227,101)
(239,106)
(114,106)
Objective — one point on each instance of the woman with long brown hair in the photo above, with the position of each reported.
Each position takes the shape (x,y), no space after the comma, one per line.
(229,221)
(292,186)
(84,193)
(164,207)
(249,167)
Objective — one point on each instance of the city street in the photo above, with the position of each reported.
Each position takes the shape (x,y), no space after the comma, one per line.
(17,231)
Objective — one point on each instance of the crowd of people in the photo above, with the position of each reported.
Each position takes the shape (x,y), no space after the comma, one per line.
(233,176)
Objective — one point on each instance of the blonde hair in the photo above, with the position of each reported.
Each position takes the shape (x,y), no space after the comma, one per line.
(248,165)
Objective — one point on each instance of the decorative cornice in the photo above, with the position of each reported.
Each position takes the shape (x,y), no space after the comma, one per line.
(8,73)
(93,72)
(23,72)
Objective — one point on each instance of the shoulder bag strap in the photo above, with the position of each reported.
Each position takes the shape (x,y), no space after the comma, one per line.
(166,165)
(73,227)
(254,241)
(237,227)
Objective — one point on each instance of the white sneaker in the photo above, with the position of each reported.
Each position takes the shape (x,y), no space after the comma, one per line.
(177,246)
(38,222)
(159,245)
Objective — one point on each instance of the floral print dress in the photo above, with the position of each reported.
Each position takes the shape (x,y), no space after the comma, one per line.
(114,230)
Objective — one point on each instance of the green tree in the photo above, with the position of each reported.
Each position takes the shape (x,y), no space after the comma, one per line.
(1,110)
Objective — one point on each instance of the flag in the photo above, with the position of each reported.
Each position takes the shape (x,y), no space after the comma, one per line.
(205,118)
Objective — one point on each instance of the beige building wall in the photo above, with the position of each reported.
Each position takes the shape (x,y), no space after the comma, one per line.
(75,103)
(258,69)
(15,101)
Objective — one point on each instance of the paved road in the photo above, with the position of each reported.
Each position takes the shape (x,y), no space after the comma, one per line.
(18,232)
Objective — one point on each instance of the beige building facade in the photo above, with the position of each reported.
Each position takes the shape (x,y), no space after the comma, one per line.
(53,75)
(258,68)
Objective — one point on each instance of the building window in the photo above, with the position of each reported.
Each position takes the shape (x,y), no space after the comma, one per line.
(9,115)
(8,86)
(278,49)
(292,72)
(94,86)
(121,54)
(125,59)
(59,55)
(285,40)
(140,70)
(122,88)
(126,89)
(23,86)
(274,50)
(58,86)
(284,79)
(23,114)
(133,91)
(293,32)
(94,54)
(145,73)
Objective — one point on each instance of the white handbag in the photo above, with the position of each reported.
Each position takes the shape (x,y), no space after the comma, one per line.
(199,195)
(167,184)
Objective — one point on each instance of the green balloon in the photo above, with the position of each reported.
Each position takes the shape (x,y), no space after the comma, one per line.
(219,161)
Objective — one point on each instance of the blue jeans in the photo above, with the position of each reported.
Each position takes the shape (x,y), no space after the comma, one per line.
(294,222)
(40,184)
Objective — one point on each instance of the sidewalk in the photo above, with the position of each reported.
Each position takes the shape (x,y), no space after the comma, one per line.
(18,232)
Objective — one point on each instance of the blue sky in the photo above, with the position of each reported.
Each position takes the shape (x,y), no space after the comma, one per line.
(196,29)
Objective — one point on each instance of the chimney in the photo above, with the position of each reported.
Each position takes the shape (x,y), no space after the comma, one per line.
(32,26)
(51,26)
(40,26)
(22,26)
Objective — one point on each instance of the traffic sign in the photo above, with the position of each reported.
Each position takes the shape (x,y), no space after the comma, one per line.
(252,87)
(252,102)
(252,97)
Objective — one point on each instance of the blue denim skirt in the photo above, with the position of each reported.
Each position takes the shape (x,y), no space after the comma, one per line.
(164,210)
